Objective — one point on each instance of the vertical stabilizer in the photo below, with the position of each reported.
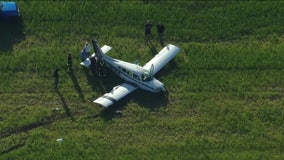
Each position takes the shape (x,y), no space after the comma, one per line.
(97,49)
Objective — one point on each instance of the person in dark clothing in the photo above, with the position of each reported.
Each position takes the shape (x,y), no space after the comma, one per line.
(69,63)
(56,76)
(160,29)
(101,69)
(98,66)
(93,65)
(148,27)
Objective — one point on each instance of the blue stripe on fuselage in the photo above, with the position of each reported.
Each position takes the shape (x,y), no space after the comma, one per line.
(119,71)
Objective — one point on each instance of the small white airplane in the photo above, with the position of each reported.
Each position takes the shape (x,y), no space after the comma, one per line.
(135,76)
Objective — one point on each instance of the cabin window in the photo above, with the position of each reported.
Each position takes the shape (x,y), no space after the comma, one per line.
(136,77)
(123,70)
(129,73)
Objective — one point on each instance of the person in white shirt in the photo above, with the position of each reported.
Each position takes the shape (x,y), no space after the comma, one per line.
(87,49)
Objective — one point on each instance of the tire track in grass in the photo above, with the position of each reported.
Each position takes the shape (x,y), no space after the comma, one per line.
(31,126)
(14,147)
(22,129)
(47,121)
(34,125)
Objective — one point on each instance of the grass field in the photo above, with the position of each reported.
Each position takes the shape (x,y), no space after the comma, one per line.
(225,86)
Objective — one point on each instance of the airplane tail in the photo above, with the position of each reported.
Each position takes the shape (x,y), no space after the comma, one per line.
(97,49)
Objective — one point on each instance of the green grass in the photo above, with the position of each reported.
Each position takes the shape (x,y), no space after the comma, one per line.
(225,87)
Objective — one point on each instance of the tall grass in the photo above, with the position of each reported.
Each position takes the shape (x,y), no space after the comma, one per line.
(225,96)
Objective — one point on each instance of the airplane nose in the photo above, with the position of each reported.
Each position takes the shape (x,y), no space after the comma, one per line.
(162,88)
(159,86)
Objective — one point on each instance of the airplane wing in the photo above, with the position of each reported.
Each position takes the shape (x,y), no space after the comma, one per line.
(162,58)
(87,62)
(116,94)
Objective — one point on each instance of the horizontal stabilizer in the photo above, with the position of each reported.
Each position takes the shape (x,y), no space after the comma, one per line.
(106,48)
(87,62)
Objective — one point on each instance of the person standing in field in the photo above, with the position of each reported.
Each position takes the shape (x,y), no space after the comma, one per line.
(69,63)
(87,49)
(83,54)
(93,64)
(160,29)
(101,69)
(148,27)
(56,76)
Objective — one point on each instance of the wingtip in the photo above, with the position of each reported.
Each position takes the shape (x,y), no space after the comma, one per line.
(103,102)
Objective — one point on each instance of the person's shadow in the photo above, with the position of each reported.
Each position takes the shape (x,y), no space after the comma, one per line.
(11,32)
(76,85)
(152,48)
(65,105)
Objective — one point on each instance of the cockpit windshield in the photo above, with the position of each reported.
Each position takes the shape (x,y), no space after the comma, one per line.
(146,76)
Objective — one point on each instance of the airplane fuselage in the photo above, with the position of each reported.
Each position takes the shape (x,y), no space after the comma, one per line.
(134,74)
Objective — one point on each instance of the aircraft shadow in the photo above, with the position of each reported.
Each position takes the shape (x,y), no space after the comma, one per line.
(111,80)
(64,105)
(94,81)
(115,110)
(169,68)
(152,101)
(76,85)
(11,31)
